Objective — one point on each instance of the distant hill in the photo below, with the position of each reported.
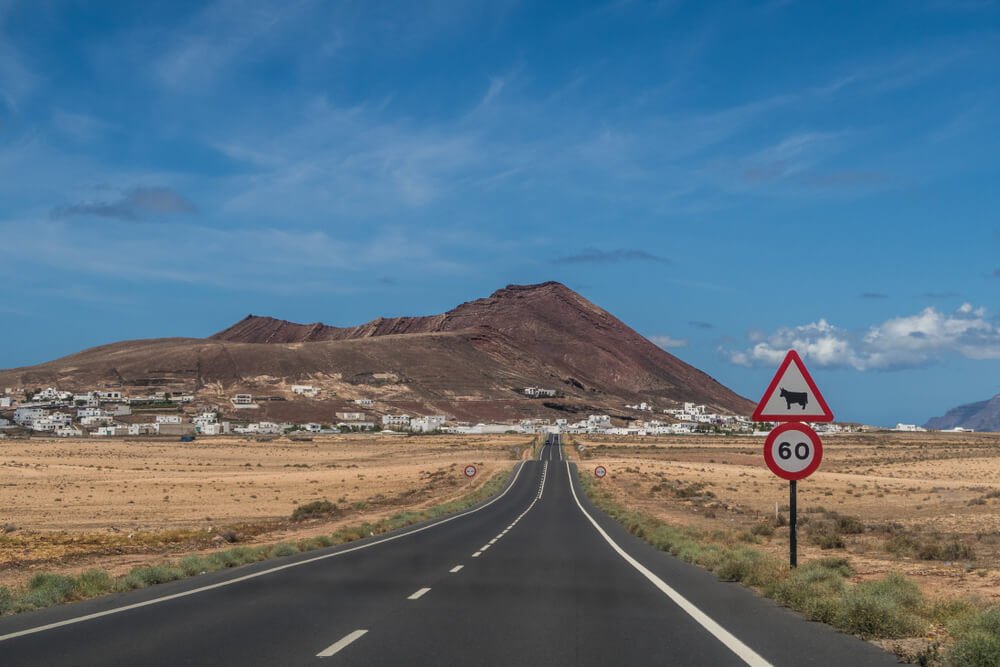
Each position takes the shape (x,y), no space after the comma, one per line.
(469,363)
(981,416)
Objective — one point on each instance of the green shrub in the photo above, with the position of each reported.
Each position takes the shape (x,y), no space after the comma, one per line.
(884,609)
(195,564)
(763,529)
(315,510)
(283,549)
(92,583)
(977,639)
(748,566)
(45,590)
(849,525)
(816,589)
(8,604)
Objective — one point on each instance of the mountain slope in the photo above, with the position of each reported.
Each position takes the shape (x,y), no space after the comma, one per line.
(981,416)
(471,360)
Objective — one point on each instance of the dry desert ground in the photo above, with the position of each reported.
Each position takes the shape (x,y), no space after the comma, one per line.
(67,505)
(923,504)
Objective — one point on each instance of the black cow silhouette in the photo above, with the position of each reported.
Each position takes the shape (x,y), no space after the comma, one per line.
(800,397)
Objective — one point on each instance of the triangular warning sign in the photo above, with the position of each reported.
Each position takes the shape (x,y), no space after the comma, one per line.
(792,395)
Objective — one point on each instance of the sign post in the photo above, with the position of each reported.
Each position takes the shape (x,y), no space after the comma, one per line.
(792,451)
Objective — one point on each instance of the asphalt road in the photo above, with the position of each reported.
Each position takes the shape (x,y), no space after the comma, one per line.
(536,576)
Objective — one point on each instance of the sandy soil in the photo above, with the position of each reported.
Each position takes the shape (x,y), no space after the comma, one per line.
(72,504)
(929,487)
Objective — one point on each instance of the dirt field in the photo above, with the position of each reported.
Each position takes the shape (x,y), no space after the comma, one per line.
(72,504)
(927,505)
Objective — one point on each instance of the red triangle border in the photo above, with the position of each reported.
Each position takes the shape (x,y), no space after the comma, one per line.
(792,357)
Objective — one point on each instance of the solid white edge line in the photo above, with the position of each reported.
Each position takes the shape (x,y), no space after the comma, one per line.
(456,569)
(247,577)
(343,643)
(419,594)
(745,653)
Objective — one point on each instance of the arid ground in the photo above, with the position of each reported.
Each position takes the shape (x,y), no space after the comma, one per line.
(926,505)
(66,505)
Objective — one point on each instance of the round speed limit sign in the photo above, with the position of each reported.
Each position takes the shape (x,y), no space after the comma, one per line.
(470,471)
(793,451)
(600,472)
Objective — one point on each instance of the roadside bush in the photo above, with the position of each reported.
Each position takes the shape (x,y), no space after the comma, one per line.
(884,609)
(825,534)
(283,549)
(763,529)
(7,603)
(748,566)
(194,564)
(849,525)
(816,589)
(94,582)
(317,509)
(929,548)
(45,590)
(978,640)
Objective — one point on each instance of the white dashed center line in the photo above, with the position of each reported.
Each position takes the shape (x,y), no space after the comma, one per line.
(419,594)
(343,643)
(456,569)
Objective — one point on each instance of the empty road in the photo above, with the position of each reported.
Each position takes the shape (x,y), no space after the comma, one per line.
(536,576)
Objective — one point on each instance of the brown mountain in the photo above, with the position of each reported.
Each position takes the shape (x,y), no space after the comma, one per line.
(469,363)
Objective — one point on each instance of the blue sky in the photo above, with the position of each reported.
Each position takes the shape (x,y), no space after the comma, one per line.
(728,178)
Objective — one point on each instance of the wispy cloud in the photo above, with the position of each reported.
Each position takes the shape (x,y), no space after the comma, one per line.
(596,256)
(873,295)
(901,342)
(668,342)
(697,324)
(135,204)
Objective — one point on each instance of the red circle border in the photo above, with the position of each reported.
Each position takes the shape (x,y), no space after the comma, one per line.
(600,468)
(805,472)
(474,471)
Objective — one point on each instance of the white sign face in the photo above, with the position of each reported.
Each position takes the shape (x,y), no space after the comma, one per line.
(792,395)
(793,451)
(470,471)
(600,471)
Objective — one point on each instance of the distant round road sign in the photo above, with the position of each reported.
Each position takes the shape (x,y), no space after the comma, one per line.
(600,472)
(793,451)
(470,471)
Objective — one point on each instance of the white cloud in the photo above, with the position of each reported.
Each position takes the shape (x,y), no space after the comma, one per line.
(668,342)
(900,342)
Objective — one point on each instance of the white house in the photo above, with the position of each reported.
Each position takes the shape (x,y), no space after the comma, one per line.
(364,402)
(396,420)
(427,424)
(142,429)
(68,432)
(242,400)
(52,394)
(168,419)
(351,416)
(109,396)
(5,401)
(538,392)
(27,416)
(306,390)
(97,420)
(909,428)
(4,423)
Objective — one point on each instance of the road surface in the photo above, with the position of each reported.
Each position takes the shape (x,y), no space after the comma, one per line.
(536,576)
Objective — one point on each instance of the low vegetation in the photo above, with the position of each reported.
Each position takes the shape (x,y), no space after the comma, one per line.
(47,589)
(889,608)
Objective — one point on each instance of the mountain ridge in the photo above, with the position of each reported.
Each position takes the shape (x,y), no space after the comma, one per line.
(980,415)
(474,359)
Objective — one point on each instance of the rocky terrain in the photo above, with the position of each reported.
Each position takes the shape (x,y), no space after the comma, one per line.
(981,416)
(469,363)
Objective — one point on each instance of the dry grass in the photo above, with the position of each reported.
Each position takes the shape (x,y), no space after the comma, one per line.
(119,504)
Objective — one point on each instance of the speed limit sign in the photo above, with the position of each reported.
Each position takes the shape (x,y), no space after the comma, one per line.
(793,451)
(470,471)
(600,472)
